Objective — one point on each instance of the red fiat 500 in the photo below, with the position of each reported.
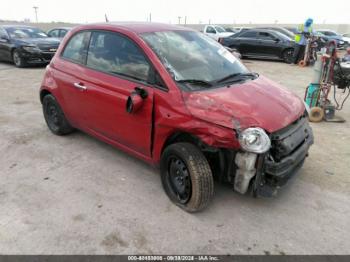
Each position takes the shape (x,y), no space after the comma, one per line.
(175,98)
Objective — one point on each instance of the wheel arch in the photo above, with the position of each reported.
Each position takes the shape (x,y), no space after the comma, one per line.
(43,93)
(181,136)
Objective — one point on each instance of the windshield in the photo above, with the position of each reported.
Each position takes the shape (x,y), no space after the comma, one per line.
(286,32)
(283,36)
(220,29)
(25,32)
(192,55)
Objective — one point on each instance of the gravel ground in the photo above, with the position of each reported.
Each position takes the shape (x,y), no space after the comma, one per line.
(75,194)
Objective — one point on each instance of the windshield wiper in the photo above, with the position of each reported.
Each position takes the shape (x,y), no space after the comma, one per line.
(237,76)
(195,82)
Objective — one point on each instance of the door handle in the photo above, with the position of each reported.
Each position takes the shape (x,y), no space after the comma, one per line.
(80,86)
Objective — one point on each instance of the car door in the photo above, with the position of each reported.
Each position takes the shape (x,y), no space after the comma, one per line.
(116,67)
(269,44)
(247,42)
(5,46)
(69,70)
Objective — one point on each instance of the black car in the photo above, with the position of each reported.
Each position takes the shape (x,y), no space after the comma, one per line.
(261,43)
(59,32)
(24,45)
(282,30)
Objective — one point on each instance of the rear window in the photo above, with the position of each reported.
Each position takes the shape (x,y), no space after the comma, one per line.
(75,50)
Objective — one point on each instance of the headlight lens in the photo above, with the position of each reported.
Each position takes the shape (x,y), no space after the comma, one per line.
(254,140)
(31,48)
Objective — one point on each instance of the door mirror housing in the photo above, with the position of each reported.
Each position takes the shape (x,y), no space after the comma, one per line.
(135,100)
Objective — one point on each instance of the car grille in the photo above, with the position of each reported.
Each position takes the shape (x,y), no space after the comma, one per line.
(48,48)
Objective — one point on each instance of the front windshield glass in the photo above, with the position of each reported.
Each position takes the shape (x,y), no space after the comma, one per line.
(192,55)
(25,32)
(220,29)
(283,36)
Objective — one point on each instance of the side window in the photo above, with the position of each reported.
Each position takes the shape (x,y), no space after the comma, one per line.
(76,48)
(266,36)
(113,53)
(53,33)
(63,32)
(211,30)
(3,33)
(249,34)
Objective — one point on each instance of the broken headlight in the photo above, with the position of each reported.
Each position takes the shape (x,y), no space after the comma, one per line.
(254,140)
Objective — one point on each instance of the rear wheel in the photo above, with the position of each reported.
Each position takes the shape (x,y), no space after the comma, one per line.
(17,59)
(288,55)
(186,176)
(54,117)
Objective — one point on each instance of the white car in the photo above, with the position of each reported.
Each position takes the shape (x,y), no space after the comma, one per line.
(346,38)
(216,32)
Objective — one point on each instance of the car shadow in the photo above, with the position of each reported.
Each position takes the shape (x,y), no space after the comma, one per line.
(9,65)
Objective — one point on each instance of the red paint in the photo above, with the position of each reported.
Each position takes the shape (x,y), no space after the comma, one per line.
(212,116)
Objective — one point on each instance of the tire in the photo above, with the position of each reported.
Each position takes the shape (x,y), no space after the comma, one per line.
(184,162)
(316,114)
(18,60)
(54,117)
(287,55)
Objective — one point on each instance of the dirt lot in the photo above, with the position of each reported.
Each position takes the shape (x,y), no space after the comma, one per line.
(75,194)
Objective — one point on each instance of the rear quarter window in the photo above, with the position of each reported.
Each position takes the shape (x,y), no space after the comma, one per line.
(76,48)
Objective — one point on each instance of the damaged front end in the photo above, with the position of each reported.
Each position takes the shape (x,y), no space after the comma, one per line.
(263,173)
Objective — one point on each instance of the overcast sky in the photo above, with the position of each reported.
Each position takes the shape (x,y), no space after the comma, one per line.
(168,11)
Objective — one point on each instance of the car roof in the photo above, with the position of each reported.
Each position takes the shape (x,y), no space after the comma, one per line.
(261,30)
(62,27)
(135,27)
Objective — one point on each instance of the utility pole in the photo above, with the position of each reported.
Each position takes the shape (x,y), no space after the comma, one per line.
(36,13)
(209,21)
(150,17)
(185,19)
(179,17)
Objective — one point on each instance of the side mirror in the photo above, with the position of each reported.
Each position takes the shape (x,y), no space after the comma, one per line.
(277,40)
(135,100)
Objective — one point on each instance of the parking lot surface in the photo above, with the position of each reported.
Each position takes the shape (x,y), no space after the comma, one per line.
(75,194)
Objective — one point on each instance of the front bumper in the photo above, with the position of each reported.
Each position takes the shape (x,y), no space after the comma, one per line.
(265,173)
(289,149)
(37,57)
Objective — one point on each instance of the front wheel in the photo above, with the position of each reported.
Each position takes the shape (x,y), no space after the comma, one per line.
(17,59)
(186,176)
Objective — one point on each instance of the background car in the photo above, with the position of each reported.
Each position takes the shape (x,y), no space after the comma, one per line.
(231,30)
(282,30)
(215,32)
(58,32)
(332,35)
(294,30)
(346,38)
(25,45)
(261,43)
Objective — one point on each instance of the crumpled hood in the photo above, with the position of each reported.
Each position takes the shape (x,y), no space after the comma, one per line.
(258,103)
